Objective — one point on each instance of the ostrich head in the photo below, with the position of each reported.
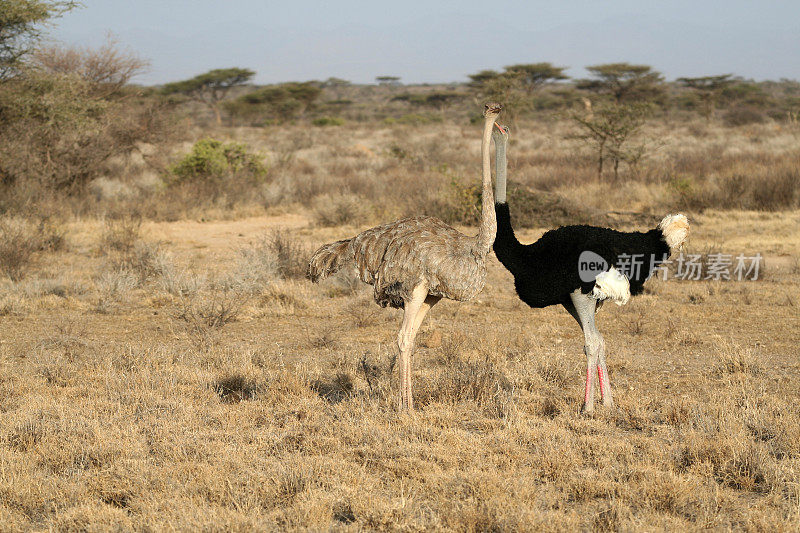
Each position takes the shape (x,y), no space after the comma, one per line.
(491,110)
(675,229)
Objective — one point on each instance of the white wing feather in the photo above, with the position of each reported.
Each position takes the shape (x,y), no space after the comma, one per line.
(611,285)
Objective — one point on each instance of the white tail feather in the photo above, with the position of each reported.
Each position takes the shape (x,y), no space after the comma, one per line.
(611,285)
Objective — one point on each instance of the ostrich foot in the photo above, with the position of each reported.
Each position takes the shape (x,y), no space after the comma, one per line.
(404,405)
(605,386)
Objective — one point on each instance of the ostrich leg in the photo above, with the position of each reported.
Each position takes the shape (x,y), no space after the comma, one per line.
(602,373)
(582,308)
(405,341)
(429,302)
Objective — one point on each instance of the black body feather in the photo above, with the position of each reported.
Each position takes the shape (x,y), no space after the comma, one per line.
(546,271)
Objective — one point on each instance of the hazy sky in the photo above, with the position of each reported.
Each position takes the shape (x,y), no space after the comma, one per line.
(429,41)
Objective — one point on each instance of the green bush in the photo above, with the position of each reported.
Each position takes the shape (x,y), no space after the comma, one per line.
(213,160)
(413,119)
(328,121)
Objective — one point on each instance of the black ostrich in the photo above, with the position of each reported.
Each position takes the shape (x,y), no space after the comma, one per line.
(574,266)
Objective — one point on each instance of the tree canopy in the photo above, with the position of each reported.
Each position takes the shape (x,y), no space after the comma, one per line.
(20,29)
(516,84)
(707,83)
(624,81)
(388,80)
(708,89)
(438,99)
(533,75)
(211,87)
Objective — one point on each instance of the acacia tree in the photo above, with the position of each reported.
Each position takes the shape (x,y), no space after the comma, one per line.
(336,85)
(21,24)
(532,76)
(609,128)
(391,81)
(624,82)
(212,87)
(708,89)
(516,84)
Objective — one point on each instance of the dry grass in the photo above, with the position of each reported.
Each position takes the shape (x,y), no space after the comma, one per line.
(172,375)
(21,240)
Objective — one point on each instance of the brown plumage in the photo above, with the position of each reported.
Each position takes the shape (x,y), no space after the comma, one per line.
(414,262)
(396,257)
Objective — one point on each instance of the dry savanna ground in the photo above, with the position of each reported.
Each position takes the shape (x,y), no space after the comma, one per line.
(183,375)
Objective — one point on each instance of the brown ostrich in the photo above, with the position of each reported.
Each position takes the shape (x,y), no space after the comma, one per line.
(416,261)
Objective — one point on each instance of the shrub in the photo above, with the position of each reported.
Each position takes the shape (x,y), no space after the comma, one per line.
(234,388)
(66,116)
(457,203)
(742,116)
(218,306)
(777,190)
(413,119)
(121,233)
(112,287)
(20,240)
(285,100)
(339,209)
(328,121)
(291,256)
(536,208)
(256,266)
(212,160)
(17,246)
(107,69)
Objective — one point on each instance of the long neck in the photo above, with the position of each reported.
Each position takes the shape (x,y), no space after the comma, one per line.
(509,251)
(500,167)
(488,228)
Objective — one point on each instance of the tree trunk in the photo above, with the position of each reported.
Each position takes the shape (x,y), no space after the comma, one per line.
(217,114)
(600,160)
